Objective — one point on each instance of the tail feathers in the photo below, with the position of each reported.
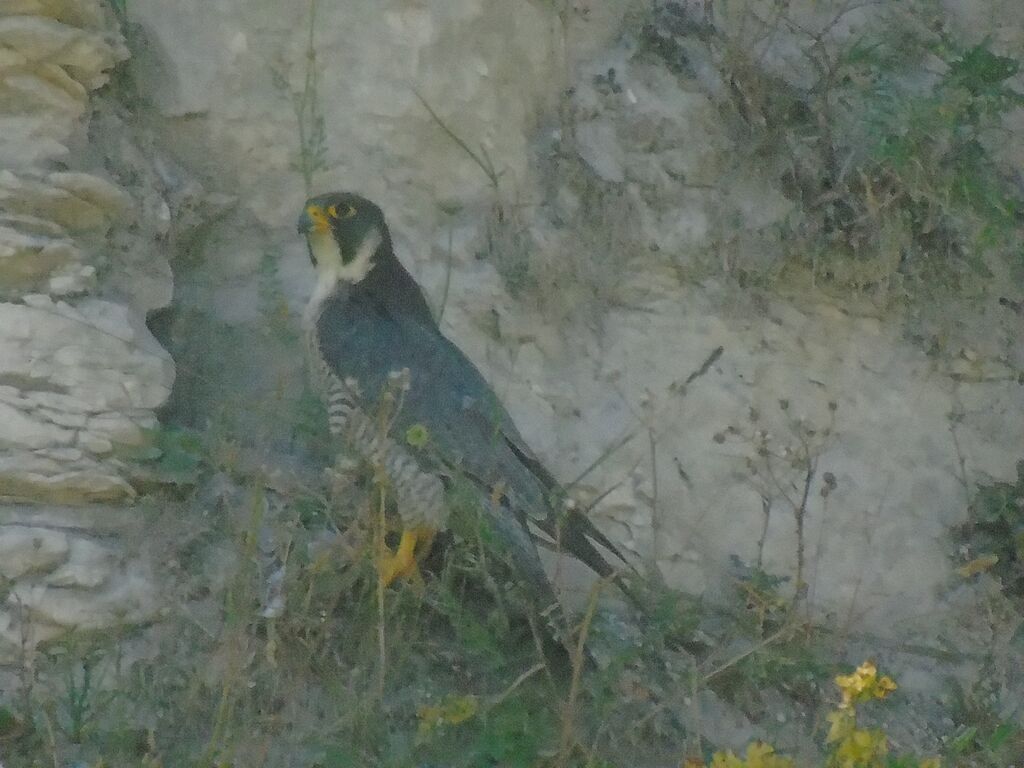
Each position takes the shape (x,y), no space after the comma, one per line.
(577,521)
(520,551)
(577,536)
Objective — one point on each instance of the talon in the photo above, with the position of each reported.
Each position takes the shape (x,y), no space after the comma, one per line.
(402,564)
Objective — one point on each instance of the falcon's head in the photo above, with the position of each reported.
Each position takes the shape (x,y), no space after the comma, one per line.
(343,231)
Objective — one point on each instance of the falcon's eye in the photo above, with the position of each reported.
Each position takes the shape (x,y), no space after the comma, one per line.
(344,213)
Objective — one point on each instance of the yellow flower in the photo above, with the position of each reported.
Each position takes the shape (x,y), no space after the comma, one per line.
(452,710)
(759,755)
(978,565)
(862,749)
(864,684)
(417,435)
(726,760)
(843,721)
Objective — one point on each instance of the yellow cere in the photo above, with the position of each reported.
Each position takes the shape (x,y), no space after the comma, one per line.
(319,219)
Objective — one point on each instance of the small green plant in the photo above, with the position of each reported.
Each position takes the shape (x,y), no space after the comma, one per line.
(926,158)
(990,732)
(312,156)
(888,151)
(181,453)
(171,455)
(277,316)
(991,746)
(760,593)
(993,536)
(81,666)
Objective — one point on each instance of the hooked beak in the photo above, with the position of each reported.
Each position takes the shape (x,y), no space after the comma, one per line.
(313,219)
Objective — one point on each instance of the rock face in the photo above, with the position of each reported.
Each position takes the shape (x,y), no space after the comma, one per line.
(69,569)
(233,80)
(881,426)
(79,383)
(801,385)
(80,374)
(832,395)
(51,59)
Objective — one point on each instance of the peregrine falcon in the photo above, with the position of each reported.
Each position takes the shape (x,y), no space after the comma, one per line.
(368,323)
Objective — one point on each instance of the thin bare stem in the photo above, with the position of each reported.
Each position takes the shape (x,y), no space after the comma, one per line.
(601,459)
(800,513)
(538,644)
(306,111)
(52,737)
(382,648)
(655,515)
(766,511)
(622,441)
(783,631)
(482,161)
(515,684)
(567,740)
(954,419)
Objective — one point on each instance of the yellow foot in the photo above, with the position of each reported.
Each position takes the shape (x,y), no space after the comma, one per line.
(402,564)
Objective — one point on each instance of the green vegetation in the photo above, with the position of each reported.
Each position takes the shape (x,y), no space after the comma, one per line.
(282,647)
(923,195)
(460,683)
(993,536)
(887,148)
(309,117)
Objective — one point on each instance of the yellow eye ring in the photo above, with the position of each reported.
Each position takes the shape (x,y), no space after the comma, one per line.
(348,213)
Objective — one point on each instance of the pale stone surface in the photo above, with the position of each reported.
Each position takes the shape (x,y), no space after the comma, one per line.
(600,149)
(30,262)
(86,376)
(80,379)
(77,13)
(97,352)
(84,54)
(70,568)
(25,550)
(19,429)
(662,191)
(90,565)
(77,202)
(875,549)
(487,69)
(38,477)
(48,63)
(43,215)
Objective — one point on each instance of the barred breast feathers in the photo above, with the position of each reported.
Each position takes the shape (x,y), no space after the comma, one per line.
(419,494)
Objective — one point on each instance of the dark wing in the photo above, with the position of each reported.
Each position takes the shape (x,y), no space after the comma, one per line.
(467,425)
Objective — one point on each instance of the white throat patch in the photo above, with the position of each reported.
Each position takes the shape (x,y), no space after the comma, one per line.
(330,270)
